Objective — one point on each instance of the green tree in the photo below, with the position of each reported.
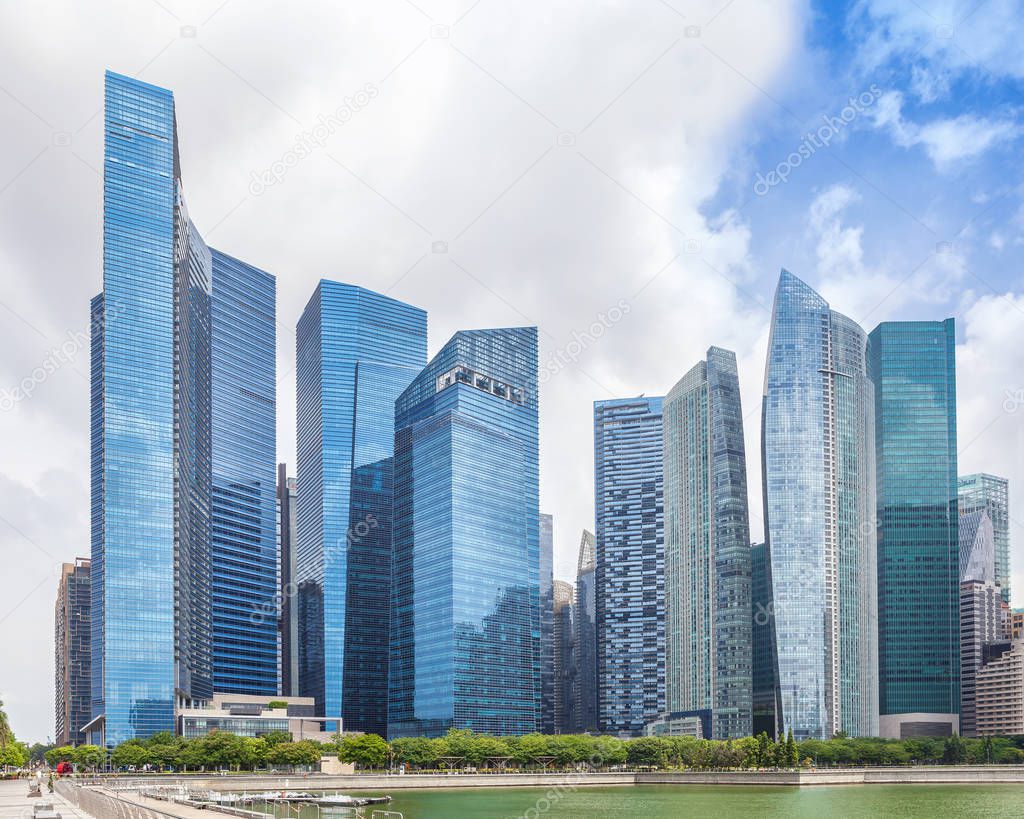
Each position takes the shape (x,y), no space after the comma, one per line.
(14,755)
(417,752)
(132,753)
(295,753)
(254,752)
(955,750)
(90,757)
(273,738)
(648,752)
(528,749)
(63,753)
(792,758)
(37,752)
(609,751)
(763,754)
(365,750)
(6,734)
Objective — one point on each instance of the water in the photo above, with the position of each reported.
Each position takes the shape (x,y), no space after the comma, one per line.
(710,802)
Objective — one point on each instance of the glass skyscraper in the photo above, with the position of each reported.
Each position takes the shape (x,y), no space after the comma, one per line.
(765,689)
(630,563)
(989,492)
(707,549)
(287,537)
(158,534)
(911,365)
(243,530)
(356,352)
(465,619)
(585,638)
(72,653)
(818,448)
(547,719)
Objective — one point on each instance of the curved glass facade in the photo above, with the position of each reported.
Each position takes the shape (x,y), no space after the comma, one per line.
(630,563)
(465,618)
(707,548)
(818,464)
(356,351)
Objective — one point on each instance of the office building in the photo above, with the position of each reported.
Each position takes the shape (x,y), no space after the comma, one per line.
(630,563)
(818,468)
(585,638)
(564,658)
(465,618)
(72,655)
(547,719)
(991,493)
(287,536)
(912,367)
(250,715)
(764,687)
(708,639)
(176,431)
(999,693)
(356,352)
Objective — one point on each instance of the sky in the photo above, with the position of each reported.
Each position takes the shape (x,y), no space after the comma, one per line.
(627,176)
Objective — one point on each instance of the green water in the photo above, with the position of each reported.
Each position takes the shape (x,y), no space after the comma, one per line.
(711,802)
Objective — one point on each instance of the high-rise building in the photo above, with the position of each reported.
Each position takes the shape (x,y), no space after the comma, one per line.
(764,686)
(465,617)
(991,493)
(72,655)
(356,352)
(630,563)
(547,719)
(818,449)
(981,609)
(243,527)
(287,536)
(170,416)
(585,638)
(999,692)
(912,367)
(564,658)
(1017,624)
(707,549)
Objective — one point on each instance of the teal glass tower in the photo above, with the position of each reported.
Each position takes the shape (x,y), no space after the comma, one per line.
(991,493)
(912,367)
(356,352)
(629,573)
(818,452)
(465,617)
(182,391)
(708,664)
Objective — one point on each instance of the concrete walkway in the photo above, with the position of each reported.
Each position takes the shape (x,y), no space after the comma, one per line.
(16,804)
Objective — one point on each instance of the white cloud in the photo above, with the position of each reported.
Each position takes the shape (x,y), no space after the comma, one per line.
(946,141)
(460,146)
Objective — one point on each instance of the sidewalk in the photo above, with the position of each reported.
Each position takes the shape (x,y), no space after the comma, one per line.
(16,804)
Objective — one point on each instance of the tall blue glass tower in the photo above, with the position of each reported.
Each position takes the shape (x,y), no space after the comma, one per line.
(629,563)
(818,449)
(912,366)
(465,620)
(356,352)
(153,432)
(243,537)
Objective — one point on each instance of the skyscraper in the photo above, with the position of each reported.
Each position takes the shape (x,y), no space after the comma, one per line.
(630,561)
(564,658)
(356,352)
(911,365)
(170,413)
(991,493)
(465,619)
(707,549)
(585,638)
(243,528)
(287,536)
(547,719)
(764,687)
(72,656)
(818,450)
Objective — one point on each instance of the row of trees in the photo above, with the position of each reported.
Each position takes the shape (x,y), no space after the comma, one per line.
(13,754)
(466,749)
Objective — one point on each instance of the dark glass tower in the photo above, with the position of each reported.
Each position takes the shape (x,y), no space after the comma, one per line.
(991,493)
(764,685)
(630,564)
(465,619)
(182,427)
(585,638)
(707,549)
(912,367)
(356,352)
(287,535)
(72,656)
(548,719)
(818,450)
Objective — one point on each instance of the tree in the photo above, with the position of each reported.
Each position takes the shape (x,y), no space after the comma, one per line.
(89,756)
(955,750)
(14,755)
(609,751)
(648,752)
(418,752)
(792,758)
(295,753)
(526,750)
(273,738)
(763,753)
(132,753)
(6,734)
(64,753)
(365,750)
(254,752)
